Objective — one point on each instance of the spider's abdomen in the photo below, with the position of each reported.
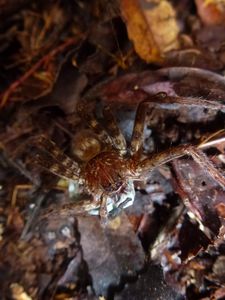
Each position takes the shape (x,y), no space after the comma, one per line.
(106,172)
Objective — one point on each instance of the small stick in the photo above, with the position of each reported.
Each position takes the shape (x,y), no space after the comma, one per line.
(207,143)
(5,95)
(33,215)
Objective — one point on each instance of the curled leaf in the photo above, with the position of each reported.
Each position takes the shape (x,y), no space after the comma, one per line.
(152,27)
(211,12)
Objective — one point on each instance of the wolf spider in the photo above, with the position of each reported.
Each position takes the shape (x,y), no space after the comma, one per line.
(108,167)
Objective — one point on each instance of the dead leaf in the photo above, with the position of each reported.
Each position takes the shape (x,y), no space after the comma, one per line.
(211,12)
(152,27)
(42,50)
(157,288)
(202,193)
(18,292)
(115,251)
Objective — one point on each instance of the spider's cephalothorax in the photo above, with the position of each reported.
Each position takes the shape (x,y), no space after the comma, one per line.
(107,167)
(107,172)
(103,169)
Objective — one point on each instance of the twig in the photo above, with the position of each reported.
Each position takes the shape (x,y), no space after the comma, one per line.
(207,143)
(38,202)
(5,95)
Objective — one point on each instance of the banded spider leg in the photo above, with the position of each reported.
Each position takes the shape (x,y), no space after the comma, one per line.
(155,160)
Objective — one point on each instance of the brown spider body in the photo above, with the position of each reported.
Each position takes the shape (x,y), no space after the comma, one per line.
(107,172)
(107,167)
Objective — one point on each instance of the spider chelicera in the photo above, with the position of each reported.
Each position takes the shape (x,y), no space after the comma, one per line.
(108,167)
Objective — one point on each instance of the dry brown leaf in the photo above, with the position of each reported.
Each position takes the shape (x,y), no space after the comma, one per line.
(152,26)
(115,251)
(211,12)
(18,292)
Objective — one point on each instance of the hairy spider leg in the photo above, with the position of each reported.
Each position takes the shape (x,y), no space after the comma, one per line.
(50,147)
(163,100)
(93,123)
(138,129)
(114,131)
(51,157)
(47,162)
(170,101)
(156,160)
(103,208)
(139,123)
(201,158)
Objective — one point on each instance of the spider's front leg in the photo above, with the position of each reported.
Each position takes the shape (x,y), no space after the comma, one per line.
(89,117)
(156,160)
(139,123)
(164,101)
(113,129)
(103,209)
(109,132)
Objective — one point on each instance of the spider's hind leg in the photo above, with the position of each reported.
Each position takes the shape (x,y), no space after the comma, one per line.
(49,156)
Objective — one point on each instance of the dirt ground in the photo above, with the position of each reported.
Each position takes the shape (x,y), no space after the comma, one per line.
(112,150)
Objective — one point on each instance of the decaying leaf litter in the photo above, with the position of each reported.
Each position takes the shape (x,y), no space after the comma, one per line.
(54,56)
